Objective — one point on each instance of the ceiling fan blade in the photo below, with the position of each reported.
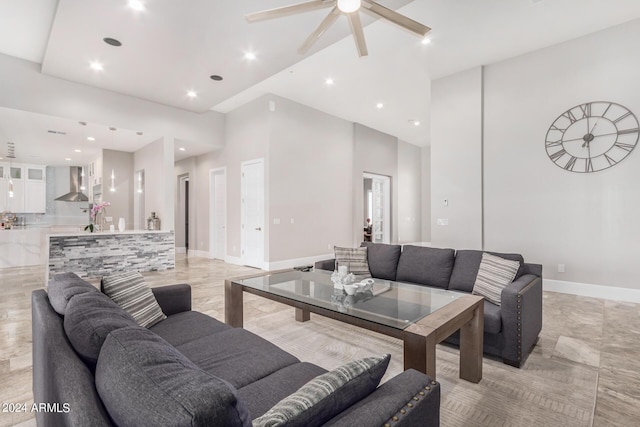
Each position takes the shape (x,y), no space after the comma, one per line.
(358,34)
(324,26)
(380,11)
(289,10)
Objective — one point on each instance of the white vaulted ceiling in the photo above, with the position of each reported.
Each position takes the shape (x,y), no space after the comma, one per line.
(174,46)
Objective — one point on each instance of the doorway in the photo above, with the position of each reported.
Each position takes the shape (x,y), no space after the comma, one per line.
(218,214)
(252,213)
(182,223)
(377,207)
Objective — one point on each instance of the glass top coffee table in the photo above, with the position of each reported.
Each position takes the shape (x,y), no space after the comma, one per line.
(420,316)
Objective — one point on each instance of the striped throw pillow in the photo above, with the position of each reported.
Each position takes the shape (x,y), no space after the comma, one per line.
(130,292)
(355,259)
(327,395)
(493,275)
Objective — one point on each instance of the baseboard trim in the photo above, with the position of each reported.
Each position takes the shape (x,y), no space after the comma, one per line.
(297,262)
(181,250)
(596,291)
(233,260)
(197,254)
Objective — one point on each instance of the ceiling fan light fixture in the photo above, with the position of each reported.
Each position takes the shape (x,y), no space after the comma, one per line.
(349,6)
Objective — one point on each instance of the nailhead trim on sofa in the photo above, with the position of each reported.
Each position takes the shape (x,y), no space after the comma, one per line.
(404,411)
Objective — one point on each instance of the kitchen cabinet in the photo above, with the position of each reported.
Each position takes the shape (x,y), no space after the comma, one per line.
(29,188)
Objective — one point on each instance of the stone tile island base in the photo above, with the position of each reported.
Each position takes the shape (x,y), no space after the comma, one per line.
(93,255)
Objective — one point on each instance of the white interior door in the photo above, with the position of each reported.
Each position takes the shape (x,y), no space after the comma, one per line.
(252,199)
(218,223)
(381,207)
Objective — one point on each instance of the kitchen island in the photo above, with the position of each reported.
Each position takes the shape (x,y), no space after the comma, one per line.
(93,255)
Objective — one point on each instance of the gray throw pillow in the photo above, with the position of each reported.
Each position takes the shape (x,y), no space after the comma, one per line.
(493,275)
(89,318)
(327,395)
(130,292)
(62,287)
(354,258)
(145,381)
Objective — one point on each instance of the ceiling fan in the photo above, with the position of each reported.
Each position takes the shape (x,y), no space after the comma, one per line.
(350,8)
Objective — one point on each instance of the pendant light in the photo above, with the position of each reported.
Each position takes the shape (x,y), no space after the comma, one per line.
(113,175)
(11,154)
(84,145)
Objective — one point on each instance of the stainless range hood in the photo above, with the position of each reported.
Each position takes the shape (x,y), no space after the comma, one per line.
(74,194)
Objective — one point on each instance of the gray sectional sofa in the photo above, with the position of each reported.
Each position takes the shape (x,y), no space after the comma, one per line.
(510,330)
(95,366)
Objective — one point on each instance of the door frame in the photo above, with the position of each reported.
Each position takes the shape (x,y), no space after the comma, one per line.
(386,232)
(181,214)
(261,264)
(212,216)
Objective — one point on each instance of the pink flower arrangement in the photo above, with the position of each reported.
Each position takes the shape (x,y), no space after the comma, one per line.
(97,208)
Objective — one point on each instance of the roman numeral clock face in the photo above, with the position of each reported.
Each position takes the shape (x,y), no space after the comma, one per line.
(592,137)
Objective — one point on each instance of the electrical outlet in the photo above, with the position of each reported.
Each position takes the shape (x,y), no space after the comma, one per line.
(276,221)
(560,268)
(329,246)
(443,221)
(292,221)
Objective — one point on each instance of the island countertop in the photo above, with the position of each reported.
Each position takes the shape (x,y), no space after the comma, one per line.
(105,233)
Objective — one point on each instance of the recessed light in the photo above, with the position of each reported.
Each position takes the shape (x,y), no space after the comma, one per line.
(68,159)
(77,151)
(250,56)
(96,66)
(416,123)
(90,138)
(329,81)
(379,105)
(182,149)
(1,158)
(216,78)
(426,41)
(192,94)
(112,42)
(136,5)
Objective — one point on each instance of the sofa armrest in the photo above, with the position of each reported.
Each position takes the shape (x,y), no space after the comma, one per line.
(327,264)
(521,311)
(173,299)
(410,399)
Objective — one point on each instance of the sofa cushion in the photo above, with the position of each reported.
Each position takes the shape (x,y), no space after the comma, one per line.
(354,258)
(492,318)
(425,266)
(260,396)
(144,381)
(62,287)
(327,395)
(467,263)
(130,292)
(236,355)
(89,318)
(493,275)
(383,259)
(187,326)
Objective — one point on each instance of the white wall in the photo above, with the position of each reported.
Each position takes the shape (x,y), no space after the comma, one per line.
(156,159)
(409,193)
(456,160)
(311,165)
(122,199)
(426,193)
(589,222)
(374,152)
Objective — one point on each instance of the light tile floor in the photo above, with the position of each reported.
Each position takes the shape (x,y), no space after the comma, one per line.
(583,372)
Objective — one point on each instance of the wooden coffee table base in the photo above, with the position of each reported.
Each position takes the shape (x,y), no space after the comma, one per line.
(420,339)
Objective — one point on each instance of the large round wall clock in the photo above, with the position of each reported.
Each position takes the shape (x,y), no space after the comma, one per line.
(591,137)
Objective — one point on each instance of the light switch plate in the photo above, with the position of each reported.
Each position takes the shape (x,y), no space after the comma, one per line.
(443,221)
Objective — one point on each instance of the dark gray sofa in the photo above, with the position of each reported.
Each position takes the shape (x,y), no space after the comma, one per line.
(100,383)
(510,330)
